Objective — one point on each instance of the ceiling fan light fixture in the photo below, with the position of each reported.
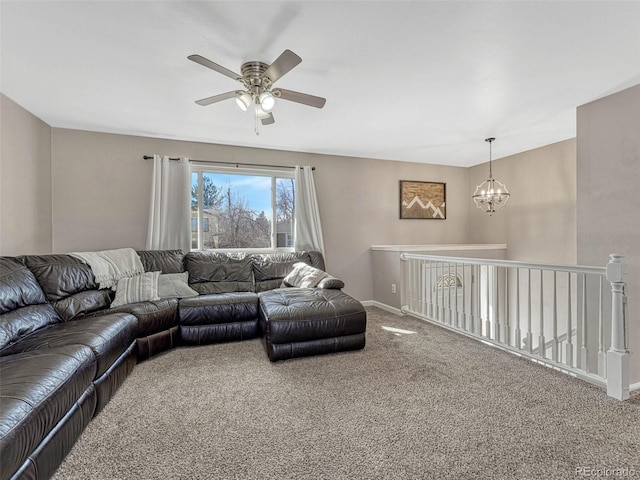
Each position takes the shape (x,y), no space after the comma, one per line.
(267,101)
(242,101)
(261,113)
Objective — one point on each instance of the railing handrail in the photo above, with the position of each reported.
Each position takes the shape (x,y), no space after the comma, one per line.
(507,263)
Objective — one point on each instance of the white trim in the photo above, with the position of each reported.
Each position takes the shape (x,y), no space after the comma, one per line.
(436,247)
(634,386)
(382,306)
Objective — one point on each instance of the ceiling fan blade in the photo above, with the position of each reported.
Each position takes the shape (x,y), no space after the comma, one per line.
(283,64)
(268,120)
(214,66)
(298,97)
(215,98)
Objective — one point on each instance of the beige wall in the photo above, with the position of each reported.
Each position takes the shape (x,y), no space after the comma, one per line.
(25,181)
(101,188)
(539,222)
(608,176)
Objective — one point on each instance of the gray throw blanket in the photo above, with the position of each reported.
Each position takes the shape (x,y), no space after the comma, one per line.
(109,266)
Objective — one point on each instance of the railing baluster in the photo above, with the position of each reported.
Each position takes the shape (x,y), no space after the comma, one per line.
(432,288)
(465,322)
(408,291)
(455,282)
(442,304)
(507,313)
(518,333)
(529,335)
(555,343)
(487,321)
(449,320)
(583,327)
(569,345)
(497,325)
(602,354)
(424,300)
(415,292)
(478,320)
(435,291)
(542,344)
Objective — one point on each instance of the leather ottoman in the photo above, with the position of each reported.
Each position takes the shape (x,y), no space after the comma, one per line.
(297,322)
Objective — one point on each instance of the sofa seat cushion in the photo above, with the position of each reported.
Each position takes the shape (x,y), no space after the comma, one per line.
(37,390)
(218,308)
(107,336)
(302,314)
(152,317)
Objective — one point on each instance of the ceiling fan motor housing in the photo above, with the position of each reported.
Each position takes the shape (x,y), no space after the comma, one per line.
(252,75)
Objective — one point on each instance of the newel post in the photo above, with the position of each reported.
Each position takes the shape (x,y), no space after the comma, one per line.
(618,355)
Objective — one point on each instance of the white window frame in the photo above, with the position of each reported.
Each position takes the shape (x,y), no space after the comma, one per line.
(273,172)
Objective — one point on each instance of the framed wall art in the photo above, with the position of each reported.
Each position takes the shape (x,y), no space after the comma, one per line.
(423,200)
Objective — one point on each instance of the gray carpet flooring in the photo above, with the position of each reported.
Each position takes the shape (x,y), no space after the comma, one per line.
(424,405)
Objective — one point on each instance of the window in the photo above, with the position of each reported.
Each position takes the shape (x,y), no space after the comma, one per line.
(241,208)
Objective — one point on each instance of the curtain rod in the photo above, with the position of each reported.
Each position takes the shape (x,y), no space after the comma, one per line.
(237,164)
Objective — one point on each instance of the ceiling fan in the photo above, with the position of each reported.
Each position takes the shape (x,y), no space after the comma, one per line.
(258,79)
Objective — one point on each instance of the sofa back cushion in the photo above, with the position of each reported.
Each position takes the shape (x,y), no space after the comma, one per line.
(164,261)
(18,286)
(22,302)
(271,268)
(68,283)
(213,272)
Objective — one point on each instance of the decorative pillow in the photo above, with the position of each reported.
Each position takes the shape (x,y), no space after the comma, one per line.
(140,288)
(171,285)
(304,276)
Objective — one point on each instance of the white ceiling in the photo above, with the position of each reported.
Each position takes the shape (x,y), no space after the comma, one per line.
(418,81)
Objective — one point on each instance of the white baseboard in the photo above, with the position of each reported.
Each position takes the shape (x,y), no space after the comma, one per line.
(634,386)
(382,306)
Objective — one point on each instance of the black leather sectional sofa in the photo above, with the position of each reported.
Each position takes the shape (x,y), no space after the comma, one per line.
(64,351)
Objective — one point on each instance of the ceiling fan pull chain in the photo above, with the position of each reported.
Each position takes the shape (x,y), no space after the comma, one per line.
(256,120)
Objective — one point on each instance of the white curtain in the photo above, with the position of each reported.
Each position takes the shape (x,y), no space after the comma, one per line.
(170,213)
(308,231)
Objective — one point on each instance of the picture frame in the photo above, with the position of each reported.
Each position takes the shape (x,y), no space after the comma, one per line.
(423,200)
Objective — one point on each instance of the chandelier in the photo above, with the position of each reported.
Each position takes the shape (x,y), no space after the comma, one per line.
(491,195)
